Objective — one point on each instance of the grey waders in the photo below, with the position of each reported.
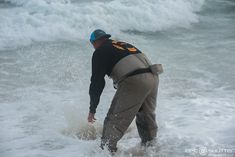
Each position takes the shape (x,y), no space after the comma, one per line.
(135,97)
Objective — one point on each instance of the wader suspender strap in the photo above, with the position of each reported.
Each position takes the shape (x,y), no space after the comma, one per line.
(137,56)
(156,69)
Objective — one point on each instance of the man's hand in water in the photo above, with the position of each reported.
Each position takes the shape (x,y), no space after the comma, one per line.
(91,118)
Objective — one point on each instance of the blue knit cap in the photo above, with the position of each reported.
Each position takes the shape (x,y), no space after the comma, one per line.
(97,34)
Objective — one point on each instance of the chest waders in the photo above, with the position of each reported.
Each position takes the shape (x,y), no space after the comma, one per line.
(136,81)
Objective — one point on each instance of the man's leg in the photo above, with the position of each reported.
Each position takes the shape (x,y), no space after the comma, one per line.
(126,103)
(145,118)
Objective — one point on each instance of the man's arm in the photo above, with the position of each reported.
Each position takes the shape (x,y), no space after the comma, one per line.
(97,81)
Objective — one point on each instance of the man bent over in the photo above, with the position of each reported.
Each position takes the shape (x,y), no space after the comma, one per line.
(136,81)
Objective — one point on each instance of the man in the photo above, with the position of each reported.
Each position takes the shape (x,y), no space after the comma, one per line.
(136,80)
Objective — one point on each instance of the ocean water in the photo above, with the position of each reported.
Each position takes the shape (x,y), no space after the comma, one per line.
(45,69)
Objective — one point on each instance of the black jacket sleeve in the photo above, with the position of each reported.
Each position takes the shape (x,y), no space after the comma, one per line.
(97,81)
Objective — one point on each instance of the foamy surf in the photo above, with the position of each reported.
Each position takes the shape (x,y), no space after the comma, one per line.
(50,20)
(78,127)
(44,81)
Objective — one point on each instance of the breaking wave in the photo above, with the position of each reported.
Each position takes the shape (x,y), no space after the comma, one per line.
(29,21)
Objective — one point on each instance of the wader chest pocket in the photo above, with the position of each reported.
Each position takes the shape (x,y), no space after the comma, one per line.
(156,69)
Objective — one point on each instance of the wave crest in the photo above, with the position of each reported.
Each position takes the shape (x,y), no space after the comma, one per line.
(51,20)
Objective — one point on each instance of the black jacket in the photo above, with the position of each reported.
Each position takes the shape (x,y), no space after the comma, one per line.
(103,60)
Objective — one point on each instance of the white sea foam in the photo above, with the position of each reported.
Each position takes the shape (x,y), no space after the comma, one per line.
(44,87)
(52,20)
(78,126)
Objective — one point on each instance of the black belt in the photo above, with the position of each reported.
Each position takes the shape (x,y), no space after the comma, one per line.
(139,71)
(135,72)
